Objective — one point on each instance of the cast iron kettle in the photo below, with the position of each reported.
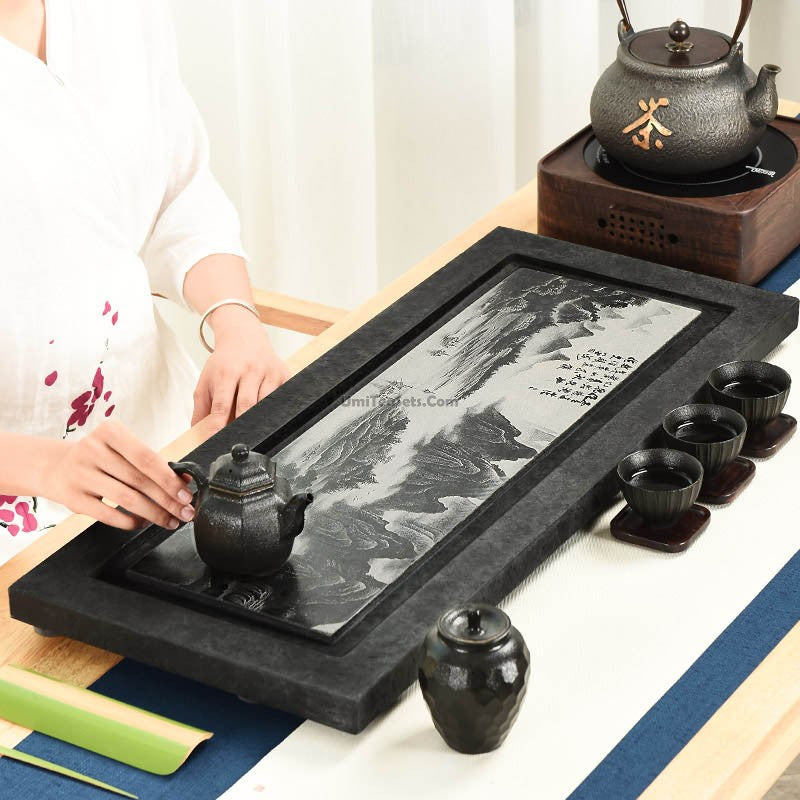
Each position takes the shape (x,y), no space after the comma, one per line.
(680,100)
(246,517)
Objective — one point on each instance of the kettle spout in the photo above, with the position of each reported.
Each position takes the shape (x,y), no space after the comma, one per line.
(293,515)
(762,99)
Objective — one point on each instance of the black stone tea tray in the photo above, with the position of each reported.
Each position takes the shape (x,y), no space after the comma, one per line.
(452,443)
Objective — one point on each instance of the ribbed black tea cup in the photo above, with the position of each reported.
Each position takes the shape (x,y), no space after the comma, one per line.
(758,390)
(660,484)
(713,434)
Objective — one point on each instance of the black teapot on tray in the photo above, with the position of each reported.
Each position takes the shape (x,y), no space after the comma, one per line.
(246,516)
(682,101)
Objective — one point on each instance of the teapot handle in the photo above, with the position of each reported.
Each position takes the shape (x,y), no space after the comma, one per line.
(747,6)
(193,469)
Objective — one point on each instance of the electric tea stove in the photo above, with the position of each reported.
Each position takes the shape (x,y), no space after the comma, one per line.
(735,223)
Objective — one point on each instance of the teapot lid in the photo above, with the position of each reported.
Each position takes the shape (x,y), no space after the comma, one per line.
(477,625)
(679,46)
(241,472)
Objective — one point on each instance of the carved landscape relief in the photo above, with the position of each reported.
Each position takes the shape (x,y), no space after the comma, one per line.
(399,465)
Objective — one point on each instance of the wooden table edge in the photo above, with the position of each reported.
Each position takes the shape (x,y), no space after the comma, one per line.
(728,758)
(748,743)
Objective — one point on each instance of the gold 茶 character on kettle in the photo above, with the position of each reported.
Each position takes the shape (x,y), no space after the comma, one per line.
(648,120)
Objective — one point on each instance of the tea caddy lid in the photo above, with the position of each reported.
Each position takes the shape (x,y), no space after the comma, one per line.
(241,472)
(478,625)
(679,45)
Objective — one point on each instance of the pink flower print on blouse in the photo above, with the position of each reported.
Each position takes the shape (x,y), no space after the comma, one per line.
(82,408)
(16,514)
(84,403)
(114,316)
(97,384)
(28,519)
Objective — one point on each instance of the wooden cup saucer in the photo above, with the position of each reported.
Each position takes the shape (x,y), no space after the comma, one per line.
(671,538)
(763,441)
(727,483)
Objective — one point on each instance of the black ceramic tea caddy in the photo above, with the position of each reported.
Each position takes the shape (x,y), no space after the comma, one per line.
(714,435)
(473,676)
(758,390)
(247,518)
(661,486)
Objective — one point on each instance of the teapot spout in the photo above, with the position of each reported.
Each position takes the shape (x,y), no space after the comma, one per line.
(293,515)
(762,99)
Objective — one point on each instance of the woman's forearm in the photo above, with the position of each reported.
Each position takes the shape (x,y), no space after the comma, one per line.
(244,367)
(219,277)
(24,462)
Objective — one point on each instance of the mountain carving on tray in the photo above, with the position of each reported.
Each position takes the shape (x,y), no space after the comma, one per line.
(496,335)
(404,461)
(347,459)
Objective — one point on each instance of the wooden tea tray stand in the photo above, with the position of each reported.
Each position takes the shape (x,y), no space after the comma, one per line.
(739,753)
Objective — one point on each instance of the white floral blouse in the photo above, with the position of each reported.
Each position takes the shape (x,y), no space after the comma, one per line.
(107,197)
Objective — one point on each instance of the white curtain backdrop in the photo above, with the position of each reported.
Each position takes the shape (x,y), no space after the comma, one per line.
(355,136)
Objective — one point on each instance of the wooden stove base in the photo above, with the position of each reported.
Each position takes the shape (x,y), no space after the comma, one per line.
(739,237)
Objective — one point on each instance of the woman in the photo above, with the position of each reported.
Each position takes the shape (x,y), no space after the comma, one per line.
(107,199)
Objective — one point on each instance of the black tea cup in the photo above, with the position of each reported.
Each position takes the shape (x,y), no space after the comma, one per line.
(714,435)
(661,486)
(758,390)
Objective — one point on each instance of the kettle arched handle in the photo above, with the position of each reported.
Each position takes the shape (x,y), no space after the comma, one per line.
(625,27)
(744,15)
(193,469)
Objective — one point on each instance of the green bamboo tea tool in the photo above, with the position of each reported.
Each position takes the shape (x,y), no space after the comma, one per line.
(27,758)
(95,722)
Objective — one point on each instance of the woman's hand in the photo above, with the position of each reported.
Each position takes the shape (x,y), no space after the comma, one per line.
(111,462)
(242,370)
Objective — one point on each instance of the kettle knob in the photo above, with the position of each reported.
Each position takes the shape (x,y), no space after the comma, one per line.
(679,32)
(240,452)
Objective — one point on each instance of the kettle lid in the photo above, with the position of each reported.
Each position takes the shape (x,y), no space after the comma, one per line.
(679,46)
(241,472)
